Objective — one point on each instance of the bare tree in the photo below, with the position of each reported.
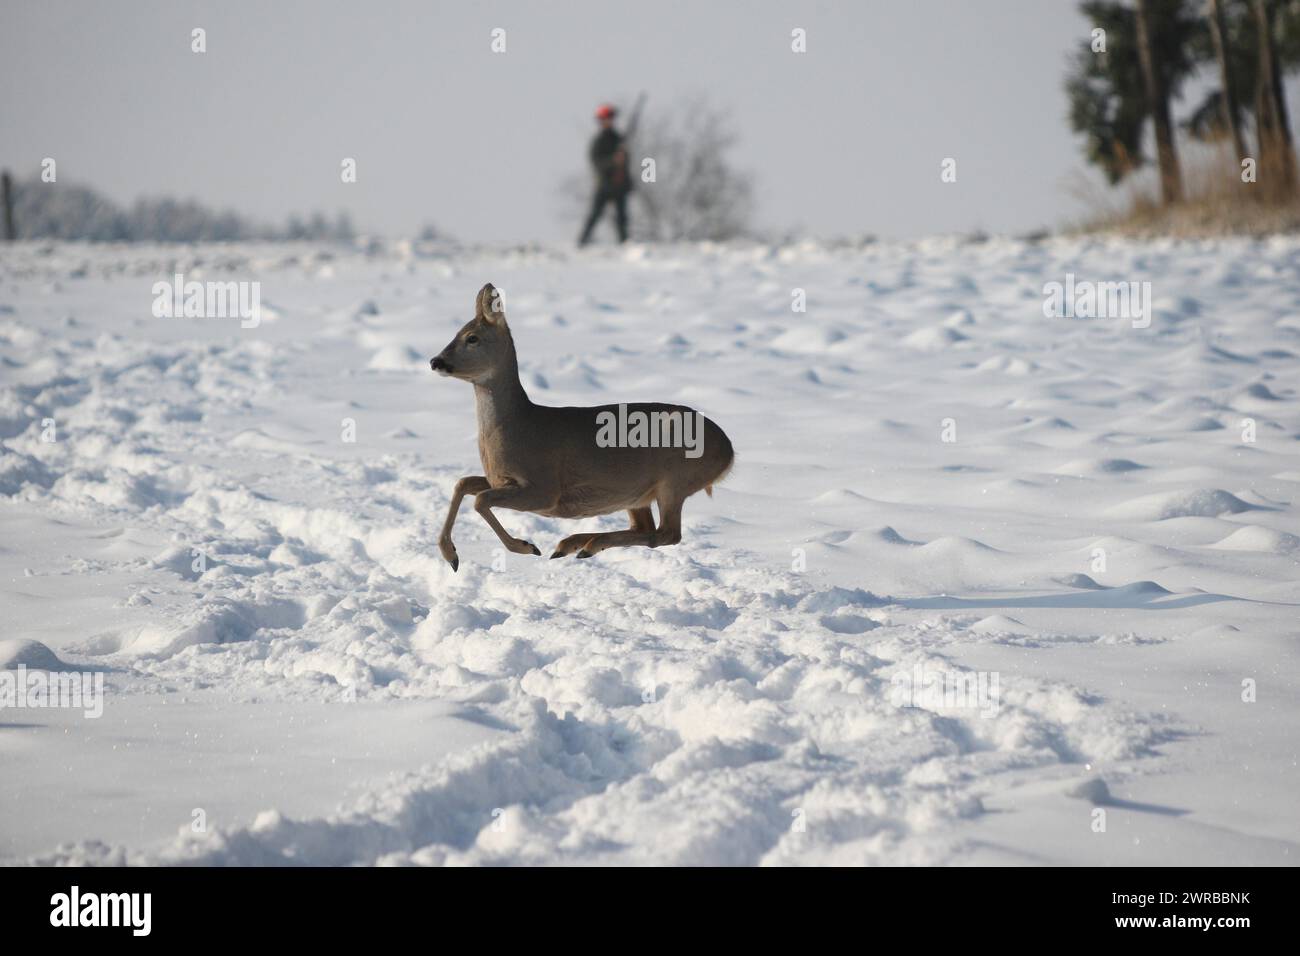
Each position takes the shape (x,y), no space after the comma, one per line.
(697,192)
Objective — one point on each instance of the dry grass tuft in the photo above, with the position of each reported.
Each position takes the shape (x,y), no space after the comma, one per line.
(1216,203)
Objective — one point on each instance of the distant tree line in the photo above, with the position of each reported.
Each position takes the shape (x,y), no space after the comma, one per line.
(67,211)
(1141,55)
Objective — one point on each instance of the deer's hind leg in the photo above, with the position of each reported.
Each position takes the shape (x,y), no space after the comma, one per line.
(643,519)
(668,532)
(670,520)
(642,522)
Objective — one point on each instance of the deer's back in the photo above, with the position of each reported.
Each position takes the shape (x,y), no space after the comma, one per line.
(608,458)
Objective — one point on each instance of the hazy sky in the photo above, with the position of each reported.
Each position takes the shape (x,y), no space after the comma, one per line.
(843,140)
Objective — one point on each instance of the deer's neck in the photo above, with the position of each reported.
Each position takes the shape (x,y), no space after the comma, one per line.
(500,399)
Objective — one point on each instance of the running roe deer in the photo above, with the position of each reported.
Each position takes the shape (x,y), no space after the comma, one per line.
(550,460)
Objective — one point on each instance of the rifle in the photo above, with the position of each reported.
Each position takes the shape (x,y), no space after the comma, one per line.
(652,212)
(621,167)
(634,118)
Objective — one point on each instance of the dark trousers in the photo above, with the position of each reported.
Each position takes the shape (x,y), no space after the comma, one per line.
(603,196)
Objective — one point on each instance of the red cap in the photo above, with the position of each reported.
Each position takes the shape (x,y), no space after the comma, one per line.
(605,111)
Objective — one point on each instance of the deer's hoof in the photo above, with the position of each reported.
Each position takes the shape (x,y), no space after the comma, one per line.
(557,554)
(448,552)
(534,550)
(584,553)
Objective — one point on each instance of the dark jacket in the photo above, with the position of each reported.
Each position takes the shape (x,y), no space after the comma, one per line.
(611,170)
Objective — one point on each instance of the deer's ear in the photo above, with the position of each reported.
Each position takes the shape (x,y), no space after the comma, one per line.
(490,306)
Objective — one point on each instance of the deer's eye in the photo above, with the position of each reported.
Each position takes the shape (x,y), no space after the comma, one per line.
(471,340)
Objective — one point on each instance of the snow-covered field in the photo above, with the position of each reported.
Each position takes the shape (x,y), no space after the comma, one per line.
(934,483)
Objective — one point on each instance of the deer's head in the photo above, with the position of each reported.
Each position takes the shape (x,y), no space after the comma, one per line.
(483,347)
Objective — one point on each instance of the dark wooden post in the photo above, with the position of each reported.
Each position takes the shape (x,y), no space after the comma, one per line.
(7,189)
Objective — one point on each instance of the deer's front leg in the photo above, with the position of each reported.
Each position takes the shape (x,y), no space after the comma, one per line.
(516,498)
(470,485)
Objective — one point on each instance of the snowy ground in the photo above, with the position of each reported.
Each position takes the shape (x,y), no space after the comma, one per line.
(1099,545)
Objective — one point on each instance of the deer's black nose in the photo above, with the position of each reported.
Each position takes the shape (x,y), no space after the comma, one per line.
(438,365)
